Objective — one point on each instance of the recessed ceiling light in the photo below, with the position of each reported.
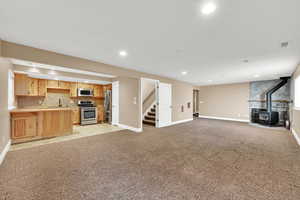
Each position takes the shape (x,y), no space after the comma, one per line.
(284,44)
(184,73)
(208,8)
(123,53)
(256,75)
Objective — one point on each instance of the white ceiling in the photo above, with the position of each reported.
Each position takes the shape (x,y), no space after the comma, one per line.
(164,37)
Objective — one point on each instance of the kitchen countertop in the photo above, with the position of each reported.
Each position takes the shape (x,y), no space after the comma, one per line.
(21,110)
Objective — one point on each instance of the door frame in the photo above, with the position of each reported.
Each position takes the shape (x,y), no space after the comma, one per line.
(141,99)
(118,99)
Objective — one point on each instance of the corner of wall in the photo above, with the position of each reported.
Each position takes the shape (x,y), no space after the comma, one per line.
(4,151)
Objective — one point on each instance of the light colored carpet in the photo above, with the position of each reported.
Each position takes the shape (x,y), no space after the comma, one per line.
(203,160)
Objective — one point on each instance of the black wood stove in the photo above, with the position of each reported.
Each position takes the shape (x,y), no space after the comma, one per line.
(267,116)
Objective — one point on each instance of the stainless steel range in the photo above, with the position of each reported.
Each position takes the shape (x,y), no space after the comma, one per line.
(88,112)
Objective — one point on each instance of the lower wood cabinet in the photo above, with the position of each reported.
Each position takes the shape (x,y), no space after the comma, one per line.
(24,125)
(76,115)
(100,110)
(29,126)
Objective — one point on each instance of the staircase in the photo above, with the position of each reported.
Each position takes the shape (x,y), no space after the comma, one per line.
(149,118)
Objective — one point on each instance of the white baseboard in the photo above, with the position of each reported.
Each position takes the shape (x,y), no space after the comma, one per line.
(224,118)
(182,121)
(4,152)
(130,128)
(296,136)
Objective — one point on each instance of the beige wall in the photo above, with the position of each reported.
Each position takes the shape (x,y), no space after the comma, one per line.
(129,99)
(4,113)
(227,101)
(182,92)
(295,113)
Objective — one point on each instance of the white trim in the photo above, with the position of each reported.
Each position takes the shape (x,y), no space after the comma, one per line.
(182,121)
(296,136)
(58,68)
(138,130)
(4,152)
(296,108)
(224,118)
(148,109)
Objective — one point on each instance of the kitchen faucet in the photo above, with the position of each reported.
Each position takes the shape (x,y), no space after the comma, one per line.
(59,103)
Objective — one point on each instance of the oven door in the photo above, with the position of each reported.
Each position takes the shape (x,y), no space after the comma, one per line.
(88,114)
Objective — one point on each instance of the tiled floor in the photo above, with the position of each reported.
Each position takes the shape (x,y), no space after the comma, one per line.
(79,132)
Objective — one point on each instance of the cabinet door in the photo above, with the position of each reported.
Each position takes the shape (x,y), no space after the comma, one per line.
(23,127)
(42,87)
(33,87)
(98,91)
(76,116)
(73,89)
(52,84)
(64,85)
(21,85)
(100,110)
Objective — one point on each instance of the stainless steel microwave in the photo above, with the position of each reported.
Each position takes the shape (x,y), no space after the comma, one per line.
(85,92)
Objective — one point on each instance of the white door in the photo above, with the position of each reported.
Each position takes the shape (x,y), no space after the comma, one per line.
(164,102)
(115,103)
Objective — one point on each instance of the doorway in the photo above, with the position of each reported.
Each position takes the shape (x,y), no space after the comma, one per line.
(196,103)
(156,103)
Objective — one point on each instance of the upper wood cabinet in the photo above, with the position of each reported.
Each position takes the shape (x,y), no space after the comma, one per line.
(85,86)
(52,84)
(26,86)
(64,85)
(98,91)
(73,89)
(42,91)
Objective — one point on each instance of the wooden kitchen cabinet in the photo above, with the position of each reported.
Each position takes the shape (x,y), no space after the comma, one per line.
(85,86)
(42,90)
(73,89)
(76,115)
(23,126)
(26,86)
(21,84)
(56,123)
(52,84)
(98,91)
(64,85)
(100,110)
(33,87)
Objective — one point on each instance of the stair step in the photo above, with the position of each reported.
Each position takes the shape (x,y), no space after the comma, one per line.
(150,117)
(153,109)
(151,113)
(149,122)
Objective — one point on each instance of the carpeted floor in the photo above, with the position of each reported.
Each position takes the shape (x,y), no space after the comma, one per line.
(203,159)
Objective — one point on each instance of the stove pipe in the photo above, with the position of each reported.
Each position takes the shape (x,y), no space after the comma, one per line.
(283,81)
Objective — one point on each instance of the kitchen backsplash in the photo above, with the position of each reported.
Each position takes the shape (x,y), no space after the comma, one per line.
(52,99)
